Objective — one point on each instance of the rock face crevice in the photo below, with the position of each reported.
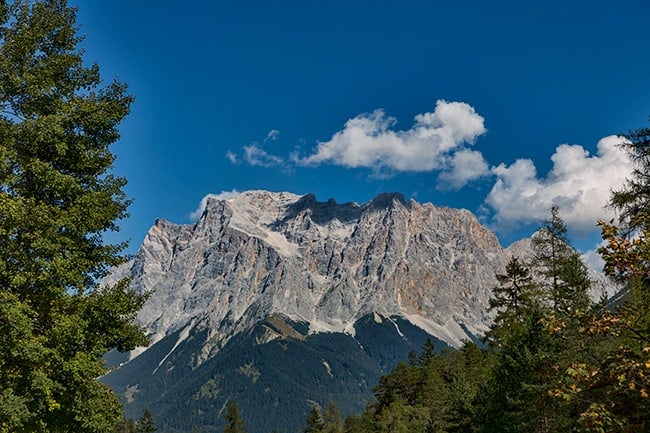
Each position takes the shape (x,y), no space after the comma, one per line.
(260,253)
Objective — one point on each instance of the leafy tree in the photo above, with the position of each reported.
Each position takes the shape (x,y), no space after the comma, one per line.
(234,422)
(57,200)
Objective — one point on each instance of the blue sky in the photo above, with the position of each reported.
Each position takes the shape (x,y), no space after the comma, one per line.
(496,107)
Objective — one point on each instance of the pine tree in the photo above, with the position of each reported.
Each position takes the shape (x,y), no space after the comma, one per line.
(314,421)
(127,425)
(145,424)
(332,419)
(513,300)
(234,422)
(561,273)
(525,353)
(57,200)
(632,201)
(428,352)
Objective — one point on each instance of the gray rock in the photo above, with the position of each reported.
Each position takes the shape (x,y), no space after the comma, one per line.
(260,253)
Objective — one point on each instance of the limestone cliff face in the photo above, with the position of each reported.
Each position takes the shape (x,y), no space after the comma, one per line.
(261,253)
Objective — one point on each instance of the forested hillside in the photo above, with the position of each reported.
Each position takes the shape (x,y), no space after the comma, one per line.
(553,361)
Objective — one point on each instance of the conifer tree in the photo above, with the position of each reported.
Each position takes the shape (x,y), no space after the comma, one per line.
(57,200)
(314,421)
(562,275)
(632,201)
(234,422)
(525,353)
(614,381)
(513,300)
(332,419)
(145,424)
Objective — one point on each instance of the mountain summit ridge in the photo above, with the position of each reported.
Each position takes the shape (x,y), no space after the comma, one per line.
(259,253)
(280,301)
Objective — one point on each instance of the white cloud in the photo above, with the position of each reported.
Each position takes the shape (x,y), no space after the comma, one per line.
(232,157)
(273,135)
(224,195)
(579,184)
(256,156)
(593,260)
(370,141)
(253,154)
(466,165)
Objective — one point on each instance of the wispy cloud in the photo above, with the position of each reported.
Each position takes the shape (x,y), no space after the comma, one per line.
(579,184)
(232,157)
(224,195)
(255,155)
(371,141)
(273,135)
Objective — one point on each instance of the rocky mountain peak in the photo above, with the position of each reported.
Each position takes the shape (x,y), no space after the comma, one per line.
(260,253)
(294,300)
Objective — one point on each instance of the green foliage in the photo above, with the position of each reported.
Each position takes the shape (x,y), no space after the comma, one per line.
(614,381)
(532,375)
(57,199)
(514,300)
(314,421)
(332,419)
(234,422)
(435,392)
(145,424)
(561,274)
(632,201)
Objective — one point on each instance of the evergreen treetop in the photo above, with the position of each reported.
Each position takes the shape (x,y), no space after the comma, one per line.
(234,422)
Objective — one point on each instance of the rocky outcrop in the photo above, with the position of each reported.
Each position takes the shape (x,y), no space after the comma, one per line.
(328,264)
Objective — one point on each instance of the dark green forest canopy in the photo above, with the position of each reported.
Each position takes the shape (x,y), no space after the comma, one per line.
(58,198)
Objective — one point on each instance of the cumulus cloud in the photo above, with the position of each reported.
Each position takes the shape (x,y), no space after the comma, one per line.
(466,165)
(224,195)
(578,183)
(370,141)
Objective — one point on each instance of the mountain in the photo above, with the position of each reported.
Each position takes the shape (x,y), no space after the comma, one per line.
(280,301)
